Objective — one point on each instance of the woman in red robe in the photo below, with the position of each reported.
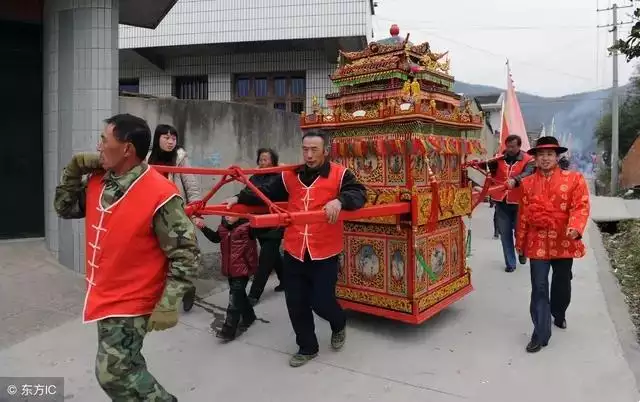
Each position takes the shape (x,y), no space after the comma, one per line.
(552,218)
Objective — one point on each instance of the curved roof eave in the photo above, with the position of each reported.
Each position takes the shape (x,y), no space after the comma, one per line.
(144,13)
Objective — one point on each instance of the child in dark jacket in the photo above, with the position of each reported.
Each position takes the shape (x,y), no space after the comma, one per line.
(239,254)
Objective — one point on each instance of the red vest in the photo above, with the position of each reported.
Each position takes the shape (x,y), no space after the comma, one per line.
(505,172)
(320,240)
(126,269)
(239,252)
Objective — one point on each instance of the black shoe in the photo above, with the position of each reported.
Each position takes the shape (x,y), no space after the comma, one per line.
(300,359)
(227,333)
(338,339)
(522,259)
(534,346)
(562,324)
(245,324)
(509,269)
(189,299)
(279,288)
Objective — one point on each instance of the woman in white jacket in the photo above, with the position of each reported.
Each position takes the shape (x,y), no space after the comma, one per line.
(166,151)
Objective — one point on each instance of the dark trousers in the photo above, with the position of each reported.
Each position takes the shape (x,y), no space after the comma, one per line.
(542,307)
(506,216)
(270,259)
(310,286)
(239,306)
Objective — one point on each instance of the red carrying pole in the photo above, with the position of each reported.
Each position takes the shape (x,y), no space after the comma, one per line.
(308,217)
(222,209)
(273,214)
(221,172)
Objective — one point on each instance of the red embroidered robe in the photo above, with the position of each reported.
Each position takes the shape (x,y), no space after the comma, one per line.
(549,207)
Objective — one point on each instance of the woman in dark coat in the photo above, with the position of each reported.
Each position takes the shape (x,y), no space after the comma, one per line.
(269,238)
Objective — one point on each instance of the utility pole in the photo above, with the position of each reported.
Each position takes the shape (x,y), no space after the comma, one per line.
(615,138)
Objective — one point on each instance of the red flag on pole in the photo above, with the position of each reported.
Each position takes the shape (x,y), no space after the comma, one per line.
(512,120)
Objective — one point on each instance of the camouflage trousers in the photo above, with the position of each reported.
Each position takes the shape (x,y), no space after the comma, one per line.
(120,368)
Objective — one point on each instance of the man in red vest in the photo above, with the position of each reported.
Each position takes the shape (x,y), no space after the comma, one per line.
(311,251)
(140,249)
(510,169)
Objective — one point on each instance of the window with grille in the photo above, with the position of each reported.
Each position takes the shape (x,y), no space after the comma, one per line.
(196,87)
(131,85)
(282,91)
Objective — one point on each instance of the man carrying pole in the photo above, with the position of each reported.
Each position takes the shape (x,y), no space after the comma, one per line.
(510,168)
(312,250)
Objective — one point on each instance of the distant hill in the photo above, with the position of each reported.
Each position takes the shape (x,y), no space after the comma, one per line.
(577,113)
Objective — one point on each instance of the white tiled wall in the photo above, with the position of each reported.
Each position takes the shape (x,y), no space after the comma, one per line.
(225,21)
(221,70)
(80,91)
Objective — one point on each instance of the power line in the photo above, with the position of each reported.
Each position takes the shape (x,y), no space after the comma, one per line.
(547,100)
(541,67)
(494,27)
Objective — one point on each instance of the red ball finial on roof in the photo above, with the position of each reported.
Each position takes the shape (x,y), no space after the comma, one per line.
(395,30)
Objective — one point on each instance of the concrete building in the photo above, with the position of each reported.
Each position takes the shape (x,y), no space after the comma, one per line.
(63,68)
(492,108)
(274,53)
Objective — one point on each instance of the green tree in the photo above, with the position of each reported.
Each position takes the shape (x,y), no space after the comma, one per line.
(628,123)
(630,46)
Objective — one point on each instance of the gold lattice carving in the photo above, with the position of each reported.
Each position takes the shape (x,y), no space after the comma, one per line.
(454,201)
(392,231)
(444,292)
(422,230)
(380,197)
(373,299)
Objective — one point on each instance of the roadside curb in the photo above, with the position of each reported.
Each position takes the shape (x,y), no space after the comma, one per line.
(616,304)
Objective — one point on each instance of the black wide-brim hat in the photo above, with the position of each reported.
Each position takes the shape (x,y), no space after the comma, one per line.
(547,143)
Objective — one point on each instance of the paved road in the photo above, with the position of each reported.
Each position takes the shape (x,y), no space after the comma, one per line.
(36,294)
(607,209)
(473,351)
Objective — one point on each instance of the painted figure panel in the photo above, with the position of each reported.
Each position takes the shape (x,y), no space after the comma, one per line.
(367,268)
(369,169)
(342,267)
(397,275)
(419,170)
(396,172)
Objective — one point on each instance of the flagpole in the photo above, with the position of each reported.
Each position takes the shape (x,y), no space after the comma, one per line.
(502,123)
(504,95)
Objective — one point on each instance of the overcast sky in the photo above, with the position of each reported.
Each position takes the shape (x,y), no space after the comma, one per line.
(553,46)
